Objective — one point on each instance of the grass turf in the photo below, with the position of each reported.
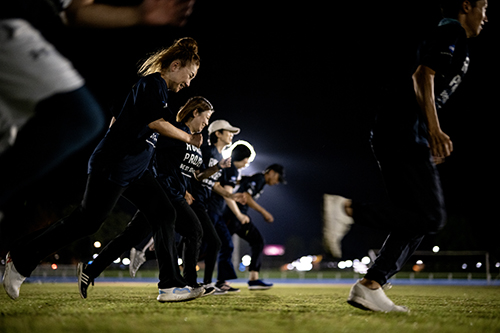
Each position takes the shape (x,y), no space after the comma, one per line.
(288,308)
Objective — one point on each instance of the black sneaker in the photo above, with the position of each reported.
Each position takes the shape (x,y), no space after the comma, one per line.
(224,286)
(83,279)
(209,290)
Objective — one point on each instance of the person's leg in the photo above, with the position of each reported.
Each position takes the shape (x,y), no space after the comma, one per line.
(99,199)
(252,235)
(137,230)
(148,196)
(225,268)
(418,209)
(212,240)
(189,227)
(414,188)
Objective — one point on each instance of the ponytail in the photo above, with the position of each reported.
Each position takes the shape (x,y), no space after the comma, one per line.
(185,50)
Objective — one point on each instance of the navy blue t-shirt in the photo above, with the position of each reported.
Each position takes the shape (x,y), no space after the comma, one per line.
(229,176)
(400,122)
(175,163)
(253,185)
(126,150)
(203,190)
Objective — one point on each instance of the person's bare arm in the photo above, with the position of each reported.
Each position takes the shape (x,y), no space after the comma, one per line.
(225,163)
(149,12)
(167,129)
(423,83)
(255,206)
(234,207)
(238,197)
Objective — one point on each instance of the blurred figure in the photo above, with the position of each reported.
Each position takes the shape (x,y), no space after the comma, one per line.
(46,111)
(408,142)
(253,187)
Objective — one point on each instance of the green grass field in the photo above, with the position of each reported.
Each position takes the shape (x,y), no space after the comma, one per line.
(285,308)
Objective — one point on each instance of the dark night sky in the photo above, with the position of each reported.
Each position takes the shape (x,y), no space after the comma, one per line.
(300,79)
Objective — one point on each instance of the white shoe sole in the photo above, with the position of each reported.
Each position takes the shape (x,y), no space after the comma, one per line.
(372,300)
(180,294)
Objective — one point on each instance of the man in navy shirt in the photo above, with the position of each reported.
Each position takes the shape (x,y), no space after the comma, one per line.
(408,142)
(253,186)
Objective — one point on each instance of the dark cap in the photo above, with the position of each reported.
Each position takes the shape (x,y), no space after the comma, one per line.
(279,169)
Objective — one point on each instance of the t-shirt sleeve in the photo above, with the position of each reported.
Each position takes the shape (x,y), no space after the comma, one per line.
(150,99)
(439,49)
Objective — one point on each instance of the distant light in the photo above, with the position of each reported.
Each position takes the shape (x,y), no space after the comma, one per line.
(53,266)
(341,265)
(95,255)
(227,151)
(117,260)
(179,261)
(97,244)
(90,262)
(464,266)
(359,267)
(497,265)
(366,260)
(126,261)
(274,250)
(419,262)
(435,249)
(246,260)
(304,264)
(348,263)
(478,265)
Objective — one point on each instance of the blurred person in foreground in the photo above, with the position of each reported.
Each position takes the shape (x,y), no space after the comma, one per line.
(47,113)
(408,143)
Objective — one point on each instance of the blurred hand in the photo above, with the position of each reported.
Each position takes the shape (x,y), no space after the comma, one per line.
(268,217)
(226,163)
(189,198)
(160,12)
(239,197)
(196,140)
(244,219)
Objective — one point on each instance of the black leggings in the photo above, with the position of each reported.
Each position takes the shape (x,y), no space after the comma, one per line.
(99,199)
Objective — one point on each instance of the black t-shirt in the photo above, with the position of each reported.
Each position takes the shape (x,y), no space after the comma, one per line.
(126,150)
(229,176)
(202,190)
(253,185)
(401,125)
(175,163)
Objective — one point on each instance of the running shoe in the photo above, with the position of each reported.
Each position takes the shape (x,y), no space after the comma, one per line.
(224,287)
(83,279)
(180,294)
(12,280)
(336,223)
(209,289)
(368,299)
(137,258)
(259,285)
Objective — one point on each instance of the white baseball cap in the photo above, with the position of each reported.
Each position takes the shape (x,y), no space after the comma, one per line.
(218,125)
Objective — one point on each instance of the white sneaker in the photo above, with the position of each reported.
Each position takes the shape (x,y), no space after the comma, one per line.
(12,280)
(336,223)
(137,258)
(372,299)
(177,294)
